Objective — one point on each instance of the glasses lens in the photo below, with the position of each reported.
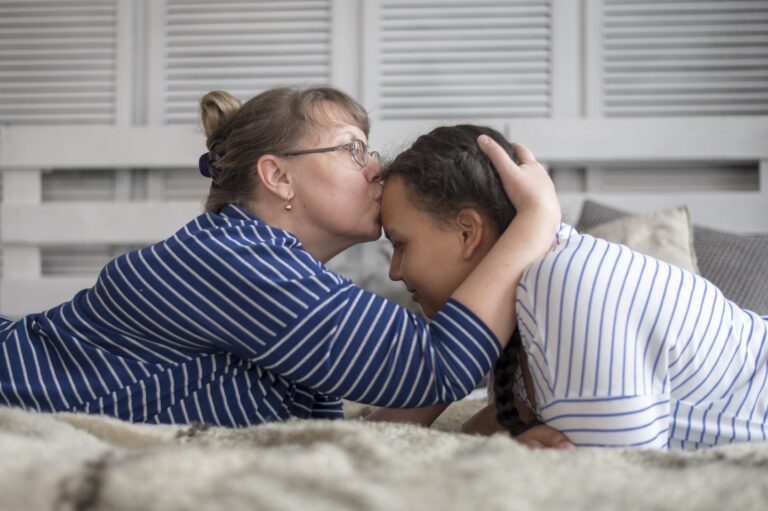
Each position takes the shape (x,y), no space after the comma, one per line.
(358,153)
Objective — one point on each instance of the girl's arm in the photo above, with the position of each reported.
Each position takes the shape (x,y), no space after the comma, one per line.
(484,423)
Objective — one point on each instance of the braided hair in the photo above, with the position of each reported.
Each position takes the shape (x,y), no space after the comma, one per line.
(503,383)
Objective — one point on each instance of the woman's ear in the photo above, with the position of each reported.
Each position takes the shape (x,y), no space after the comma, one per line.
(274,178)
(472,231)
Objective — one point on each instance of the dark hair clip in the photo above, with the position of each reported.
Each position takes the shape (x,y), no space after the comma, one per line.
(205,164)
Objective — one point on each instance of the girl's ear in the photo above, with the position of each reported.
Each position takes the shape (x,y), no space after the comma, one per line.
(471,227)
(274,178)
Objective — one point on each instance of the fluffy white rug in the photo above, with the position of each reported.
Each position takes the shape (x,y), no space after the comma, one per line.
(70,461)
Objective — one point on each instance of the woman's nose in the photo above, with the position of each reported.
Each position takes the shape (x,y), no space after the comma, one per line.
(372,171)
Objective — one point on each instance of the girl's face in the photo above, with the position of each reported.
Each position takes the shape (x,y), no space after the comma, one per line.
(427,253)
(339,201)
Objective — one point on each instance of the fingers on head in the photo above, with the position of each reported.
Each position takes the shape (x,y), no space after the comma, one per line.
(524,155)
(495,152)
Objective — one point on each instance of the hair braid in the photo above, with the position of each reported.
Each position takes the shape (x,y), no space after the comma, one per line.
(503,385)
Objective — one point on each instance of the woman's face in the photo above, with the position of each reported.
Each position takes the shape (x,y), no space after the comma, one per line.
(427,253)
(339,202)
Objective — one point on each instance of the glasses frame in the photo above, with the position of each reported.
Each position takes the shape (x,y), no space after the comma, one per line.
(352,147)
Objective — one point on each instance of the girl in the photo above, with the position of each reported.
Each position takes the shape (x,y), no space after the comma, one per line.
(234,320)
(617,348)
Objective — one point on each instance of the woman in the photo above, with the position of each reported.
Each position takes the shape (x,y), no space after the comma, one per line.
(234,320)
(618,349)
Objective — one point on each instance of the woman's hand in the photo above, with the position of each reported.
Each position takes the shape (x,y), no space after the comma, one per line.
(528,184)
(544,436)
(489,291)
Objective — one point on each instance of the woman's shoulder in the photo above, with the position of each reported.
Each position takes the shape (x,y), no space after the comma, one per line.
(234,240)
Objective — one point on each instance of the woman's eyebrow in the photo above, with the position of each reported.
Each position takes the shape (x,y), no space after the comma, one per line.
(351,136)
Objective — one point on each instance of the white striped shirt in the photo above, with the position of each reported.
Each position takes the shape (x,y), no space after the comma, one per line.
(231,322)
(626,350)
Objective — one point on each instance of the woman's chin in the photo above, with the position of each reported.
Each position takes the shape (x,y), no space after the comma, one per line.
(373,232)
(364,236)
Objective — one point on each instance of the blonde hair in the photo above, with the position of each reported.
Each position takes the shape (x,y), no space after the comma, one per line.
(273,122)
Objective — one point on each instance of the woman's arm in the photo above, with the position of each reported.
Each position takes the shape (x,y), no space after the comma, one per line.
(350,343)
(424,415)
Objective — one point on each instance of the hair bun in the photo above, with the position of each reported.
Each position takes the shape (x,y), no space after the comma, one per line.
(216,109)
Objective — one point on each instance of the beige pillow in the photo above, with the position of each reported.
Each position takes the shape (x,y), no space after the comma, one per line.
(666,235)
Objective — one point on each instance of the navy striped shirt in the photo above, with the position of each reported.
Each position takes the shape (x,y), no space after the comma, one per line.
(231,322)
(626,350)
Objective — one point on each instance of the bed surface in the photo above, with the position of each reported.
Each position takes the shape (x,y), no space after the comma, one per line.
(70,461)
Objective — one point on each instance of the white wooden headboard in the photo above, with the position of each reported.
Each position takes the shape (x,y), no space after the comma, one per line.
(601,145)
(28,224)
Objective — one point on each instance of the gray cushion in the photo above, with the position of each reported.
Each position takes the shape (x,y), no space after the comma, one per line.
(736,263)
(666,235)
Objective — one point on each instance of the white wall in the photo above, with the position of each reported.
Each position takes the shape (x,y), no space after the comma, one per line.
(638,103)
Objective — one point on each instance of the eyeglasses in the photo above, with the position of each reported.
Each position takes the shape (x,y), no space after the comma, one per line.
(356,148)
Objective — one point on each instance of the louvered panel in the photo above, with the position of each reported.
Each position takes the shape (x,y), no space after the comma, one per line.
(679,177)
(79,185)
(685,58)
(57,61)
(243,47)
(184,184)
(458,59)
(80,260)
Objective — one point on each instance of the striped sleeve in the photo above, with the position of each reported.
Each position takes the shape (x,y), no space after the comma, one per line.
(626,421)
(298,320)
(361,347)
(327,407)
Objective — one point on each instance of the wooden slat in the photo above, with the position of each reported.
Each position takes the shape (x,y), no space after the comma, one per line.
(82,147)
(94,222)
(606,140)
(569,140)
(24,296)
(747,211)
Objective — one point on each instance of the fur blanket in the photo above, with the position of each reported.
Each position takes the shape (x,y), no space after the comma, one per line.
(67,461)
